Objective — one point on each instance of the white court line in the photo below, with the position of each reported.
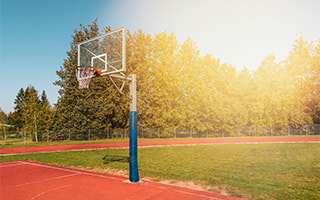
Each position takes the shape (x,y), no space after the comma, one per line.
(44,180)
(75,173)
(54,189)
(71,170)
(199,195)
(50,167)
(10,165)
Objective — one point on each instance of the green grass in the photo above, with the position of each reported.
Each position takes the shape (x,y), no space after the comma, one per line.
(255,171)
(14,142)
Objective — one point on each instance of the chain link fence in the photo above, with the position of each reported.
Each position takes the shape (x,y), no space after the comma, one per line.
(156,133)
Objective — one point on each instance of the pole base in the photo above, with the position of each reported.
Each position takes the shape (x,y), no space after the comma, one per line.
(136,183)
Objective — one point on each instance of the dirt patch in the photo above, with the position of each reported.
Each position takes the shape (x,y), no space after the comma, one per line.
(200,186)
(111,171)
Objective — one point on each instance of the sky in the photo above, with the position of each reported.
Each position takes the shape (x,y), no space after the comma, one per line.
(36,34)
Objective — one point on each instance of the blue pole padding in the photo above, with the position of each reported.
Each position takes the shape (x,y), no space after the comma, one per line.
(133,146)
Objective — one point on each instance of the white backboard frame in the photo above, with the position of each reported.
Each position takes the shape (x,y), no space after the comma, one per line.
(109,68)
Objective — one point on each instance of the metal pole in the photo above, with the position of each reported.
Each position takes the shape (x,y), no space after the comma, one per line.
(5,135)
(133,127)
(36,129)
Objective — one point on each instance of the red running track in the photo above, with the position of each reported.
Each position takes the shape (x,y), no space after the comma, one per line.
(75,147)
(26,180)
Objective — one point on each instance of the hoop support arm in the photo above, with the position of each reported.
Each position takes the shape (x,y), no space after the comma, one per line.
(119,90)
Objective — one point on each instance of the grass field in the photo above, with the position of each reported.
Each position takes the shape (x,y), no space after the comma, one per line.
(12,142)
(255,171)
(32,144)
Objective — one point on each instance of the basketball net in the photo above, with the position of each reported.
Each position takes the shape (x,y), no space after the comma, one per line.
(85,74)
(84,83)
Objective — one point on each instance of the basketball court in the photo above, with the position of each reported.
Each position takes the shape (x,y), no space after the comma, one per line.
(26,180)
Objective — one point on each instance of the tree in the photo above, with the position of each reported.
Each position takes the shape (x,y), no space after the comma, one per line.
(17,116)
(99,106)
(303,72)
(3,117)
(313,97)
(139,54)
(68,108)
(45,112)
(177,87)
(31,109)
(31,112)
(164,93)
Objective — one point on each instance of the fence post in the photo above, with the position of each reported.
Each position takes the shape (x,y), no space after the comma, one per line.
(191,132)
(306,129)
(36,136)
(141,132)
(69,135)
(47,135)
(5,134)
(108,134)
(175,132)
(288,130)
(158,133)
(89,135)
(25,137)
(255,131)
(271,131)
(239,131)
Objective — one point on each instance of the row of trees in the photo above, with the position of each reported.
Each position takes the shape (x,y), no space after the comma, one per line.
(31,112)
(177,87)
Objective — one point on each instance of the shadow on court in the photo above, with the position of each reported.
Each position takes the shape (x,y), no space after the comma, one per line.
(115,158)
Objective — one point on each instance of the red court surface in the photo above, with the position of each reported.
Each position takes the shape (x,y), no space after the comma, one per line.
(75,147)
(24,180)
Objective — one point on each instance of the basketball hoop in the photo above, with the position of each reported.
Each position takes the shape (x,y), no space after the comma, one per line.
(84,75)
(106,56)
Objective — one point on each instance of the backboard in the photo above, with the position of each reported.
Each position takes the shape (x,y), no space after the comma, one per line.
(106,52)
